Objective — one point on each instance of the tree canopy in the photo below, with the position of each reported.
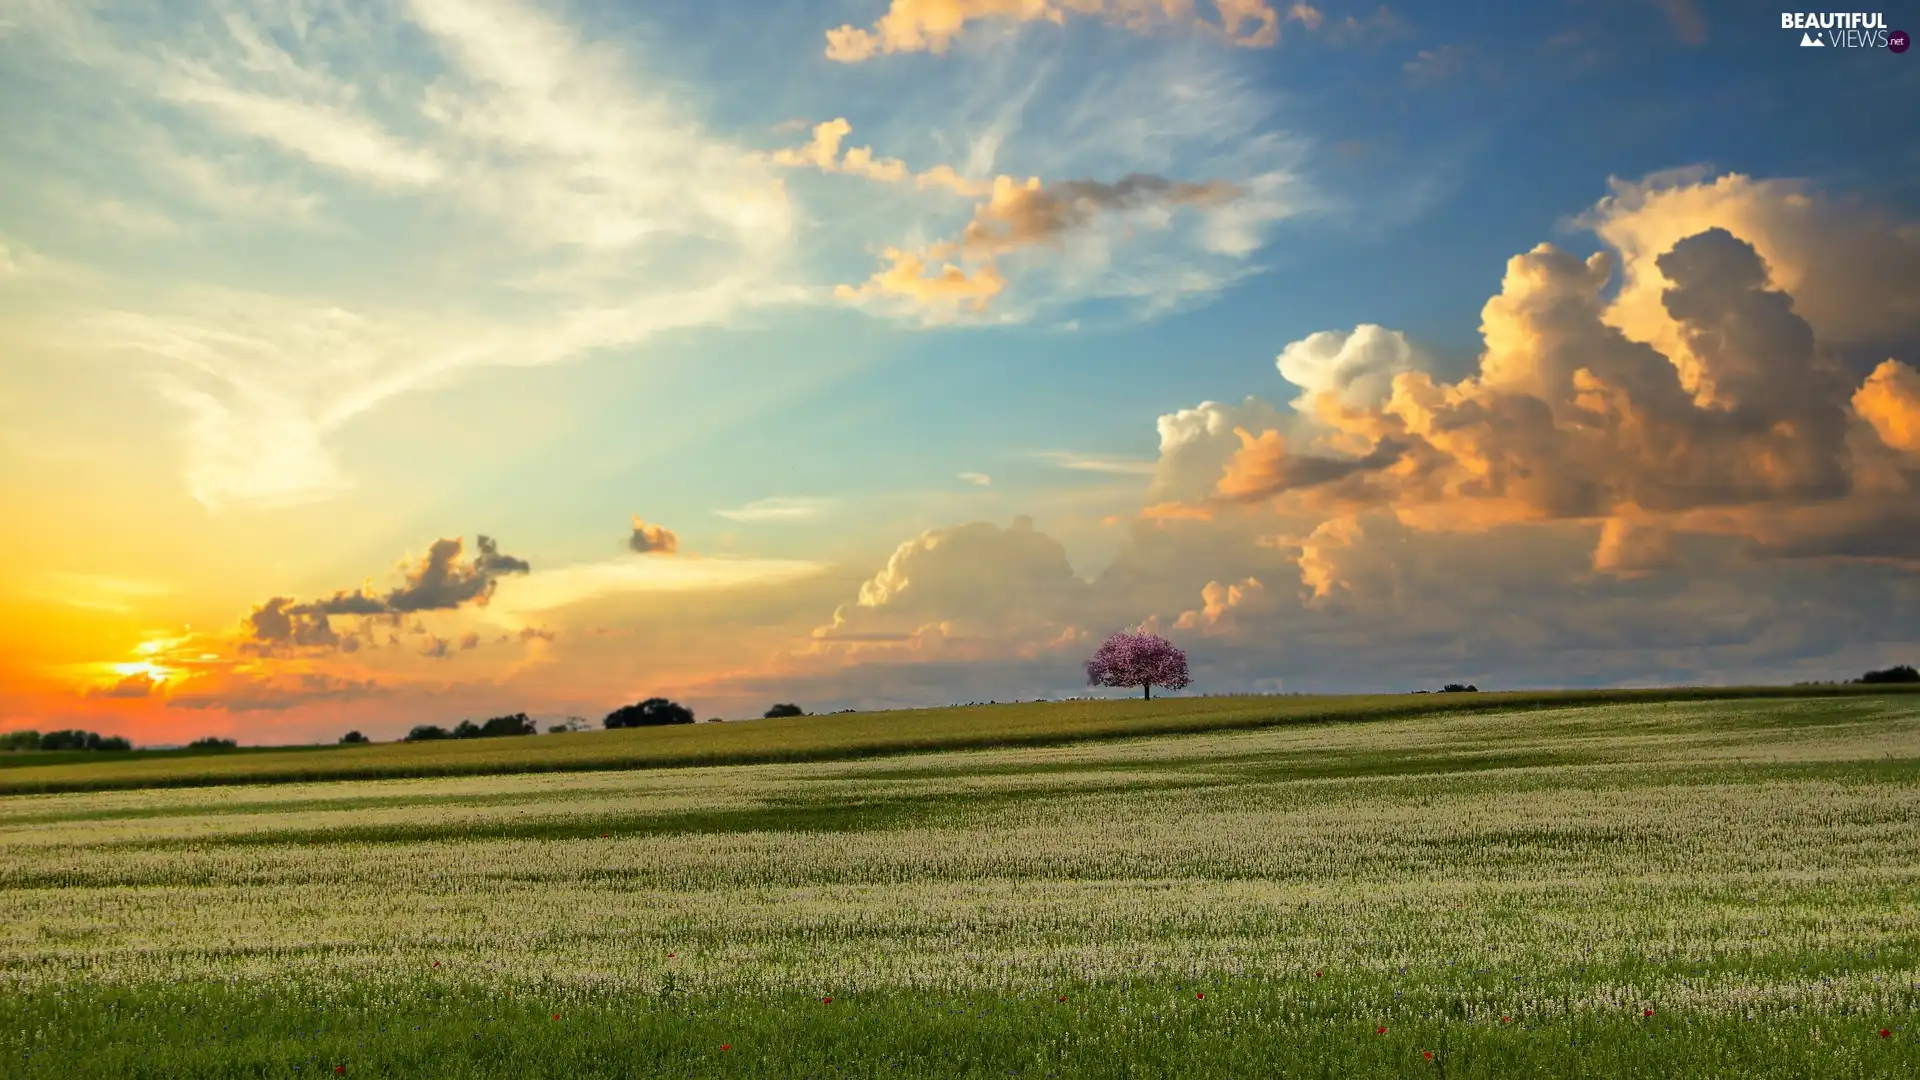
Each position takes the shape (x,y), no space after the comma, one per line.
(1138,659)
(653,712)
(784,709)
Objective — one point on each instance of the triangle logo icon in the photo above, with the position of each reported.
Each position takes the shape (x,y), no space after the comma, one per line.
(1808,41)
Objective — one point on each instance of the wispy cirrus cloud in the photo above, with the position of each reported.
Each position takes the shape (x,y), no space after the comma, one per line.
(779,508)
(541,155)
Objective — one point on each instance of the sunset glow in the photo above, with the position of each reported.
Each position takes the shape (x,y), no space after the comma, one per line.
(364,366)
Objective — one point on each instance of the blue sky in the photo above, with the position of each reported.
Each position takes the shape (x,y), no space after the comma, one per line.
(293,290)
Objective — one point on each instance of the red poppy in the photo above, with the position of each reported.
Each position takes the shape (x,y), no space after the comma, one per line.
(1316,974)
(828,1000)
(436,963)
(1885,1034)
(672,955)
(726,1046)
(1063,997)
(1506,1019)
(339,1070)
(556,1016)
(1649,1012)
(603,836)
(1379,1031)
(1428,1054)
(1200,997)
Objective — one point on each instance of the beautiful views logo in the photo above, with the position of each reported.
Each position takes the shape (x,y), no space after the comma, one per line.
(1844,30)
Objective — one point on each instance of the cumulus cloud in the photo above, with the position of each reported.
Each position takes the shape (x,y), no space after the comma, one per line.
(438,581)
(965,582)
(652,539)
(978,479)
(1746,426)
(1216,600)
(911,26)
(1356,368)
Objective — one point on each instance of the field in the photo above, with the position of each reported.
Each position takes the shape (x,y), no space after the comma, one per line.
(1646,889)
(805,738)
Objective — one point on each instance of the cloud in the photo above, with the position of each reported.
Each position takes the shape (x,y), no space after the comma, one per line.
(1890,401)
(255,693)
(565,586)
(565,200)
(1216,600)
(1021,215)
(1197,443)
(823,152)
(436,647)
(932,292)
(1570,418)
(439,581)
(977,478)
(1096,463)
(1437,65)
(911,26)
(1853,272)
(950,585)
(652,539)
(1357,369)
(469,640)
(779,508)
(138,685)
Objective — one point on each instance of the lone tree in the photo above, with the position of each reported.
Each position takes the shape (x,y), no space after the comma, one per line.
(1138,659)
(353,737)
(783,709)
(649,713)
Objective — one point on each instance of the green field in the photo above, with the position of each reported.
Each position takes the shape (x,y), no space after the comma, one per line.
(803,738)
(1645,889)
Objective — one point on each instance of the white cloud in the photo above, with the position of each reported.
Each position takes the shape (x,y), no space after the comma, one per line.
(977,478)
(780,508)
(532,156)
(1096,463)
(1357,367)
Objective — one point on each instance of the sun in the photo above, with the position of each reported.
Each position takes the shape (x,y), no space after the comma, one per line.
(143,667)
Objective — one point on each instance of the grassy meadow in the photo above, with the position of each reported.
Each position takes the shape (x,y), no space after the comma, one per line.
(1642,888)
(792,739)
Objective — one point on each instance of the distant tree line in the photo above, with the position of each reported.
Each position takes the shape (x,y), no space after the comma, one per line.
(62,740)
(512,724)
(1902,673)
(212,743)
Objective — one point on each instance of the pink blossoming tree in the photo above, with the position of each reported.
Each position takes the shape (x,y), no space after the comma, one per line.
(1138,659)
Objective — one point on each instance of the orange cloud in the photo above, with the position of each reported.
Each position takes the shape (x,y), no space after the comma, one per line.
(652,539)
(1216,600)
(908,276)
(1018,215)
(911,26)
(1890,401)
(823,152)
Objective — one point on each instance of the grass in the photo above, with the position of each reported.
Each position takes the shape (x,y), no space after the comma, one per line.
(804,738)
(1508,890)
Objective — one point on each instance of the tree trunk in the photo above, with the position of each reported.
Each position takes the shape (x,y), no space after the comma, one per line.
(1147,690)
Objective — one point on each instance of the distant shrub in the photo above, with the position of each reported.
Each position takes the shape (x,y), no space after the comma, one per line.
(652,712)
(426,733)
(1904,673)
(352,738)
(571,723)
(784,709)
(1459,688)
(212,742)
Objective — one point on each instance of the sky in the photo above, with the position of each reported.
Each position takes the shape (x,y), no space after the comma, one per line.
(365,365)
